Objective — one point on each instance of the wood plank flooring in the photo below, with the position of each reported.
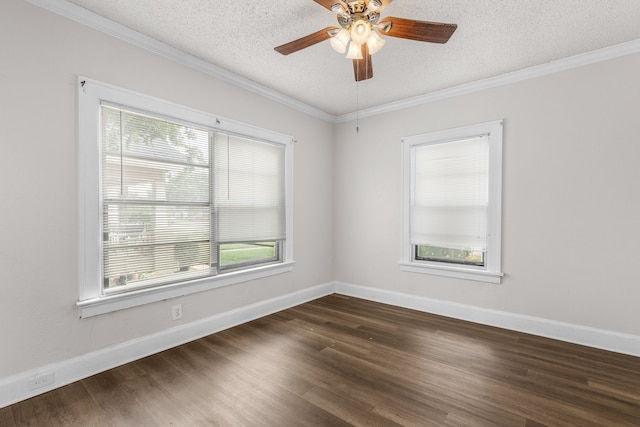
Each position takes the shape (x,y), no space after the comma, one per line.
(341,361)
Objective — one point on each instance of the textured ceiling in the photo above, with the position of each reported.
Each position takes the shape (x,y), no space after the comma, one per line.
(494,37)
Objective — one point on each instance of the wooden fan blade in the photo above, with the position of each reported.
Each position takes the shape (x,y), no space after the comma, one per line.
(422,31)
(306,41)
(362,68)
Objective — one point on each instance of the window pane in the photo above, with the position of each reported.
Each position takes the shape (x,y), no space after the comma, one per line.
(452,255)
(138,135)
(156,200)
(235,254)
(135,179)
(155,265)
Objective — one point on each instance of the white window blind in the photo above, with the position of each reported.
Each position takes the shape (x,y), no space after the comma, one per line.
(249,189)
(449,194)
(156,201)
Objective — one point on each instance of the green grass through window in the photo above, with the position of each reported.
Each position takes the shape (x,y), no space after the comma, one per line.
(235,253)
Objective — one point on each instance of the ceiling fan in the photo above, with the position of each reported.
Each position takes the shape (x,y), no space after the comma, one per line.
(358,34)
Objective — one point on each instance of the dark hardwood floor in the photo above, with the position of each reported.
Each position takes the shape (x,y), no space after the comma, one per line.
(341,361)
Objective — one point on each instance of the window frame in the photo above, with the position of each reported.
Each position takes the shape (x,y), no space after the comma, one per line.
(91,299)
(491,272)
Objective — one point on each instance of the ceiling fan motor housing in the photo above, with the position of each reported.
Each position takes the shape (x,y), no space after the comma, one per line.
(357,6)
(355,11)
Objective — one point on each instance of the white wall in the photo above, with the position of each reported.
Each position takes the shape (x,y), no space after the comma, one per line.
(41,55)
(571,203)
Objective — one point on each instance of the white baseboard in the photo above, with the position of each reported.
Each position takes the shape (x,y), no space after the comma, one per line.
(16,388)
(577,334)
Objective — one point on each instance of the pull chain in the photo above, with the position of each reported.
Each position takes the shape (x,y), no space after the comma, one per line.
(357,106)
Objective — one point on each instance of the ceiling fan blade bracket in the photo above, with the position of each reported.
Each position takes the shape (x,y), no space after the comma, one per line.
(373,17)
(383,26)
(328,4)
(344,21)
(340,8)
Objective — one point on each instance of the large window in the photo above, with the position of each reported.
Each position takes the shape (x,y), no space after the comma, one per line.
(175,201)
(452,202)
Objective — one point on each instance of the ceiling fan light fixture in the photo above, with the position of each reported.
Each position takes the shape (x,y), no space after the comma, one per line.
(355,51)
(360,31)
(340,40)
(375,42)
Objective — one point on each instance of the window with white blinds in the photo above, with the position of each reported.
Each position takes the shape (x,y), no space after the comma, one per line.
(174,201)
(156,190)
(452,200)
(176,196)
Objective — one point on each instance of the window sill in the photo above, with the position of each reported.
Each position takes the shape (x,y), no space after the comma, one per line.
(457,272)
(107,304)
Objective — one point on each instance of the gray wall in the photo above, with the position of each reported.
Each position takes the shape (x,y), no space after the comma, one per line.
(571,203)
(41,55)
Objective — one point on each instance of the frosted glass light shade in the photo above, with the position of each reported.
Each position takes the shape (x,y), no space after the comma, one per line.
(360,31)
(340,40)
(355,51)
(375,42)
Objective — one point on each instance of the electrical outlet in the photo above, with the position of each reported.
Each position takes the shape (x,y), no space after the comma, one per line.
(41,381)
(176,312)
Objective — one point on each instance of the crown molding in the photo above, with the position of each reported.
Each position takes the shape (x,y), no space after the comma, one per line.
(559,65)
(90,19)
(100,23)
